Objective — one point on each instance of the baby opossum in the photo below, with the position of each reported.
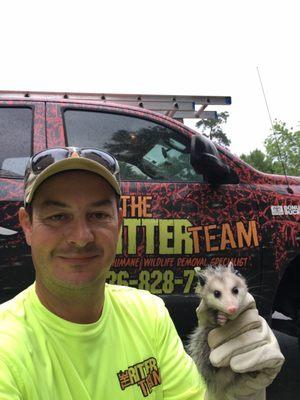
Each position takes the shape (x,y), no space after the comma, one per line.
(222,291)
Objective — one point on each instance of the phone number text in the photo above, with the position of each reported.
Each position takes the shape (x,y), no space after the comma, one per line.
(156,281)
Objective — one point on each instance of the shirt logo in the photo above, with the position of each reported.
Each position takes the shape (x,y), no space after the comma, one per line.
(144,374)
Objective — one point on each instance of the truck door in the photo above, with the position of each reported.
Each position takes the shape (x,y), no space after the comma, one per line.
(22,132)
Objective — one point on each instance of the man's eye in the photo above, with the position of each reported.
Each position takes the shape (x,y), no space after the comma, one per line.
(99,215)
(57,217)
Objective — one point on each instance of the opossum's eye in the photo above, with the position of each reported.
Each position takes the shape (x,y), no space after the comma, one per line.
(235,290)
(217,294)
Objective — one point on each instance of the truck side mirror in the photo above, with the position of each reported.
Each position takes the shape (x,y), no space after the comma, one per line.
(205,160)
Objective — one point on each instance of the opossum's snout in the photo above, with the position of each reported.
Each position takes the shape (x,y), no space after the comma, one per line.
(231,309)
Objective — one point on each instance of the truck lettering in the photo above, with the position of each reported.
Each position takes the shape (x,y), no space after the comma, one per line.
(179,236)
(136,206)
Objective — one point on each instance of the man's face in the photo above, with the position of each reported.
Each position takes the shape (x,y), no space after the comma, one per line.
(74,230)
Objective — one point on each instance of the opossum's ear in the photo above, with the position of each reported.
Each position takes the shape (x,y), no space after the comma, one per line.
(201,276)
(231,267)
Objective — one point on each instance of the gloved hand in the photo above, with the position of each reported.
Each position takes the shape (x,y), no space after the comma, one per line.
(248,345)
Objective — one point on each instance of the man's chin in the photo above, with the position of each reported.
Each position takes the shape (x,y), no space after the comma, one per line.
(77,283)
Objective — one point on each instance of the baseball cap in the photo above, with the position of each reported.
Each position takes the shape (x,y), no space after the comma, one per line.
(49,162)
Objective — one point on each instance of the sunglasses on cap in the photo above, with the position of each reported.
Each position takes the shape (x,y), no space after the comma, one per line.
(40,161)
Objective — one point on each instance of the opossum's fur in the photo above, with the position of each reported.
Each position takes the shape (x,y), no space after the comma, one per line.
(218,380)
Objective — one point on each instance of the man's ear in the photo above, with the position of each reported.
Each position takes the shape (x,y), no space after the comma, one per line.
(26,224)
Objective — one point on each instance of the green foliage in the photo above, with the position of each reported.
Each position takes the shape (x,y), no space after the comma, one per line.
(259,161)
(286,142)
(213,129)
(283,142)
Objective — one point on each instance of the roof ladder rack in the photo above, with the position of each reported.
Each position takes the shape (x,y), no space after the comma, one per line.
(174,106)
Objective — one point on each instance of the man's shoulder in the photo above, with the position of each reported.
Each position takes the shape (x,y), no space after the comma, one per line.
(13,316)
(130,294)
(131,297)
(13,324)
(139,310)
(15,306)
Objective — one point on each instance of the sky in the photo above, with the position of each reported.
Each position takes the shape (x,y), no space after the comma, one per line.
(190,47)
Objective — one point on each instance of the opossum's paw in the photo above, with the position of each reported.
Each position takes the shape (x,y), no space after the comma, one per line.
(221,318)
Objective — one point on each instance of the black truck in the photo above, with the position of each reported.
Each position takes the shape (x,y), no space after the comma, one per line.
(186,202)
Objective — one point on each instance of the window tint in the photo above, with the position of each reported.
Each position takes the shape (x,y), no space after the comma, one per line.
(144,149)
(15,140)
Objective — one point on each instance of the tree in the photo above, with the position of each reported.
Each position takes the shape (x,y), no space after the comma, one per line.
(259,161)
(284,142)
(213,130)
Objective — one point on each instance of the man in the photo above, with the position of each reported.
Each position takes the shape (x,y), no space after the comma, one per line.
(70,336)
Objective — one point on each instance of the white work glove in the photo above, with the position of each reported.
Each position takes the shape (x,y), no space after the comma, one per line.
(248,345)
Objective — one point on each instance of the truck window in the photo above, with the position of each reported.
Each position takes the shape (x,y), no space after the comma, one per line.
(146,150)
(15,140)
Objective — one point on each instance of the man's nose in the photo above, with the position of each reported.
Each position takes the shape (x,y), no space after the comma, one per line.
(80,233)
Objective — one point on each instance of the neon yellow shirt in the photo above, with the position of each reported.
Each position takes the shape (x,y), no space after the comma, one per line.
(133,352)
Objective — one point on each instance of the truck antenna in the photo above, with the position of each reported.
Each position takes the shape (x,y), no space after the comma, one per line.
(289,189)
